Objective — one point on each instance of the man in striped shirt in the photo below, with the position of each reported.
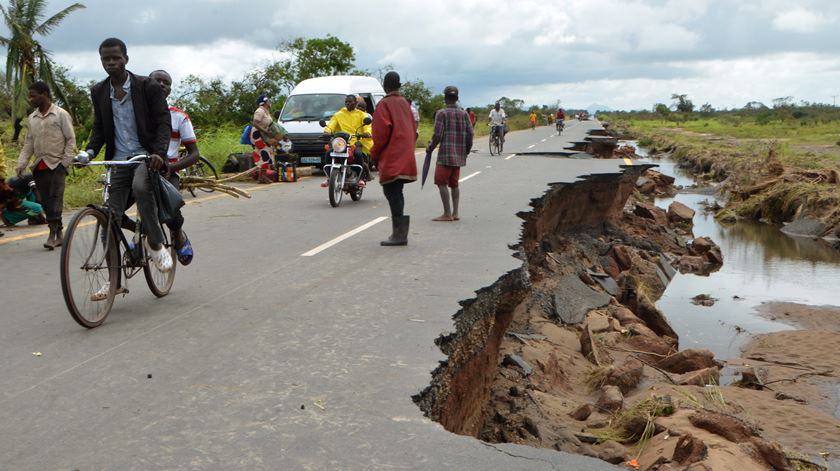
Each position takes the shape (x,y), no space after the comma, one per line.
(454,133)
(182,134)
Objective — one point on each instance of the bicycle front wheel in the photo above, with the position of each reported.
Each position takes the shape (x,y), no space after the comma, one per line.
(492,148)
(90,267)
(161,282)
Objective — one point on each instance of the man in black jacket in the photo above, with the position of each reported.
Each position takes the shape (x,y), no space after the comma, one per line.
(131,117)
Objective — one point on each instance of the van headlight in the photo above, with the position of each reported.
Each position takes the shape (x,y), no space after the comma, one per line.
(339,145)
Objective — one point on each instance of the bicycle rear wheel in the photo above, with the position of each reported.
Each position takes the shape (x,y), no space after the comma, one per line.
(205,169)
(159,282)
(89,267)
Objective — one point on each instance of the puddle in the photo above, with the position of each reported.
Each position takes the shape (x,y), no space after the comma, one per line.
(761,264)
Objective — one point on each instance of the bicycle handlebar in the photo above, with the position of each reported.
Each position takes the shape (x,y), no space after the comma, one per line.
(84,159)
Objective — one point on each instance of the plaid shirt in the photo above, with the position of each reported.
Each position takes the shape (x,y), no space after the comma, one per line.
(454,133)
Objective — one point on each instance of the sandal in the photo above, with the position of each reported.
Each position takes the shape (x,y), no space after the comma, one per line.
(185,253)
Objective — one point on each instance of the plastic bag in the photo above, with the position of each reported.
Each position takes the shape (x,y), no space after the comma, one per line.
(169,200)
(246,135)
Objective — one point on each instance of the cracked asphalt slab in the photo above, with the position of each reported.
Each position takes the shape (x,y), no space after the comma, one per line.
(261,358)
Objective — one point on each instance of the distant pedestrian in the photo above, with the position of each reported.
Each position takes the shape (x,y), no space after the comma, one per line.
(394,135)
(416,114)
(471,114)
(51,139)
(454,132)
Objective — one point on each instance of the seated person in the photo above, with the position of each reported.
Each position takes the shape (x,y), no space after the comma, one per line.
(15,207)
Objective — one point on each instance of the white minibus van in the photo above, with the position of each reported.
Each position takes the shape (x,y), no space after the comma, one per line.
(319,98)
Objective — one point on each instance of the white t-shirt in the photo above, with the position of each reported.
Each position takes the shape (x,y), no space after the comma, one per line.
(497,118)
(182,133)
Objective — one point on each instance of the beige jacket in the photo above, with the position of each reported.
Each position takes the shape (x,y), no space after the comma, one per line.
(50,137)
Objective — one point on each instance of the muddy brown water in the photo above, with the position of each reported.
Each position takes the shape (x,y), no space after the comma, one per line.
(761,264)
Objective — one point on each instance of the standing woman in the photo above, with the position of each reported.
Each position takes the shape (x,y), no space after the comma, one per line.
(394,132)
(260,138)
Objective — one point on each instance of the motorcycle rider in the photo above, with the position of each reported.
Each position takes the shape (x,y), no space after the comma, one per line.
(498,119)
(350,120)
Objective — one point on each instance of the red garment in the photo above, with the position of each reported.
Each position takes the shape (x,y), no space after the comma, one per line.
(561,115)
(41,165)
(472,117)
(394,137)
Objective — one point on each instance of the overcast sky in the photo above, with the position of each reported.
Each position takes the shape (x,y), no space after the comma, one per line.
(620,53)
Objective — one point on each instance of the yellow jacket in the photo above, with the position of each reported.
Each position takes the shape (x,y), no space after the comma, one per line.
(350,122)
(367,142)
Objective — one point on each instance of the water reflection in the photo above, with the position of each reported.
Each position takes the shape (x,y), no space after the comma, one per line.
(761,264)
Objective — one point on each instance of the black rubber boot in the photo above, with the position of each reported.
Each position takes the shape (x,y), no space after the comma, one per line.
(400,232)
(50,243)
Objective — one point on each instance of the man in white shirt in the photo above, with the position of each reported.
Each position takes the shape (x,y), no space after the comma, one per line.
(498,119)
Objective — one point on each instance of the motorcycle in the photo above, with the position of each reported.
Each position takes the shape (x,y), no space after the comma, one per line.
(343,176)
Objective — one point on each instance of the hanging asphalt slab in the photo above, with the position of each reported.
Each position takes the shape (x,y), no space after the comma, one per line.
(262,358)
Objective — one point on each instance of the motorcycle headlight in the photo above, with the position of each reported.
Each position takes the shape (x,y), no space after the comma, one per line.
(339,144)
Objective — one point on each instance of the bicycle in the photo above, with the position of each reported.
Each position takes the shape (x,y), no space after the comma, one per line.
(496,139)
(92,262)
(202,168)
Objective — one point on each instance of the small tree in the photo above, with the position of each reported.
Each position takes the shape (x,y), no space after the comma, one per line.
(682,103)
(662,110)
(418,93)
(318,57)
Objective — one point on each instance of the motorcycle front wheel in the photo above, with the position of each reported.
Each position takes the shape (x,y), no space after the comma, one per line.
(336,187)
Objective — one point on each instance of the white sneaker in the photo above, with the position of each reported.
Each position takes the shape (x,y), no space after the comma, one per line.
(102,293)
(161,258)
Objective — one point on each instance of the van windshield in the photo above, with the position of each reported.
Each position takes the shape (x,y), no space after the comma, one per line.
(311,107)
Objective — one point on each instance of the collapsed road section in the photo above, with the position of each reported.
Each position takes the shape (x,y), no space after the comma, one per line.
(570,351)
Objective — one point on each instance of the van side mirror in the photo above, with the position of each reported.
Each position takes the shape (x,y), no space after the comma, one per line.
(367,120)
(322,123)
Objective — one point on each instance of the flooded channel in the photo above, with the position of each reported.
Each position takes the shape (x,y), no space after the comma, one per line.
(761,264)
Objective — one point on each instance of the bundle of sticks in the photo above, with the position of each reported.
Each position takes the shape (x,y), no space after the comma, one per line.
(211,184)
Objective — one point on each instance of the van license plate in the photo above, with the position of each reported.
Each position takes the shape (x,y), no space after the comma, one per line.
(310,160)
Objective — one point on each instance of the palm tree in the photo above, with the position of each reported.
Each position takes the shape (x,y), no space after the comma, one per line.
(27,61)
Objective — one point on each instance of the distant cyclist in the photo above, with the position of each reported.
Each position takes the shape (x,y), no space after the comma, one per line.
(498,119)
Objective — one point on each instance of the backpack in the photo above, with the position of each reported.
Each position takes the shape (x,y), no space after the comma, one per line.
(246,135)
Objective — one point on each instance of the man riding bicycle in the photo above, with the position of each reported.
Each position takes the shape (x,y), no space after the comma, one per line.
(350,120)
(130,117)
(498,119)
(560,116)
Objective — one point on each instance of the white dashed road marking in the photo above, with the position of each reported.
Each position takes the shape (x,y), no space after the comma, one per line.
(346,235)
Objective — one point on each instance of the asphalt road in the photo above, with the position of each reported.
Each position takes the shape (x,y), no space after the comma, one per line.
(262,357)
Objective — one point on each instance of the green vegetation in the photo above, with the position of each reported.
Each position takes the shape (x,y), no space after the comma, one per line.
(26,60)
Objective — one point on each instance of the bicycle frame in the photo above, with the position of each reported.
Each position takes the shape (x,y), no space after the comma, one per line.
(116,226)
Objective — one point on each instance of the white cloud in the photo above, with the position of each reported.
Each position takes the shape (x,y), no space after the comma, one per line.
(145,16)
(723,83)
(401,56)
(800,20)
(227,59)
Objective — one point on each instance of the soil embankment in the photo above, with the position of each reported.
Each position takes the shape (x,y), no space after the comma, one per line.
(569,352)
(755,181)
